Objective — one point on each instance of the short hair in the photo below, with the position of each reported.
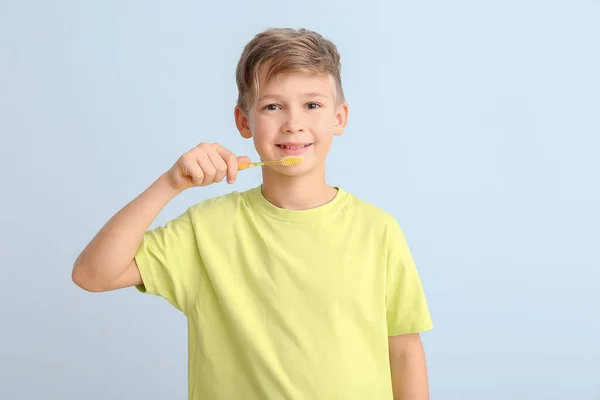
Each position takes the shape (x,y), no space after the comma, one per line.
(286,50)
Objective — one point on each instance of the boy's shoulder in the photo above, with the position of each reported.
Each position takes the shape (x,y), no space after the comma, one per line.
(221,203)
(378,222)
(370,210)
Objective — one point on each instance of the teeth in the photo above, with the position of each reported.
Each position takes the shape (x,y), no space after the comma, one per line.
(292,147)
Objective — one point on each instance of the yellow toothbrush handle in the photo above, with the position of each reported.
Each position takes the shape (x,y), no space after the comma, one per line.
(247,164)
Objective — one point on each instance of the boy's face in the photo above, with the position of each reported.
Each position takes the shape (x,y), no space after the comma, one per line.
(295,114)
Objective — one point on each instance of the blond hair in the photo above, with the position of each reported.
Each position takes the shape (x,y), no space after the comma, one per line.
(286,50)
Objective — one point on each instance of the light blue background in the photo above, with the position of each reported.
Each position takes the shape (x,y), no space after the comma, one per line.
(475,123)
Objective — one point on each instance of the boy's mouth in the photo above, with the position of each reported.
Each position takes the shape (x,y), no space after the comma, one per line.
(294,148)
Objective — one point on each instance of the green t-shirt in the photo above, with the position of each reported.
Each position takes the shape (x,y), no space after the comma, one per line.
(286,304)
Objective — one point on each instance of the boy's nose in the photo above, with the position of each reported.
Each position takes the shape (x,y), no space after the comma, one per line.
(293,126)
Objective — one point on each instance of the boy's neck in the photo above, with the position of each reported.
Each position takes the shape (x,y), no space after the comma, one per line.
(297,192)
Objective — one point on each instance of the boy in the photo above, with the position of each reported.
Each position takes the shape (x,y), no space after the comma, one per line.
(294,289)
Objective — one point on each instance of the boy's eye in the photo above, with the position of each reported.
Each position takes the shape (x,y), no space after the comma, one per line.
(313,106)
(272,107)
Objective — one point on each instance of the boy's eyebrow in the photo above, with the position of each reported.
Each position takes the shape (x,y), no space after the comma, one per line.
(269,96)
(315,94)
(277,97)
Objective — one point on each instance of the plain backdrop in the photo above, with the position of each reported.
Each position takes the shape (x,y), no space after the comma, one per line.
(475,123)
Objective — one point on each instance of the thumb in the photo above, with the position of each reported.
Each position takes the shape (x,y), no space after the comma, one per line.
(243,163)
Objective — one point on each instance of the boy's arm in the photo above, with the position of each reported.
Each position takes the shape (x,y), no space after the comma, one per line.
(407,316)
(409,368)
(108,261)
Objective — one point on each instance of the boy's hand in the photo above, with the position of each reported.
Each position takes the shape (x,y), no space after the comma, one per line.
(204,165)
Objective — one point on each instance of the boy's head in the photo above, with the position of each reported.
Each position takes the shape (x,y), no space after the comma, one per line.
(290,96)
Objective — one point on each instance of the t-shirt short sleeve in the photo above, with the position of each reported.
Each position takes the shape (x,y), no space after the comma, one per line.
(407,310)
(169,262)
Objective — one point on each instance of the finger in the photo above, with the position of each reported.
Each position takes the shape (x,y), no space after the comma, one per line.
(192,171)
(219,164)
(207,167)
(243,162)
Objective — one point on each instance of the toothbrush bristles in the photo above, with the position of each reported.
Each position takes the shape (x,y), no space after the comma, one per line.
(290,161)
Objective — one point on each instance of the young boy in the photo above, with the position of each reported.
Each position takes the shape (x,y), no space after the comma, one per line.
(293,289)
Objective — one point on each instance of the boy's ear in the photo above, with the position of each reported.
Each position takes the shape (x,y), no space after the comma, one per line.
(341,119)
(241,121)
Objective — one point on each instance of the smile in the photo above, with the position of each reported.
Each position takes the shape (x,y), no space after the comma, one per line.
(293,146)
(294,149)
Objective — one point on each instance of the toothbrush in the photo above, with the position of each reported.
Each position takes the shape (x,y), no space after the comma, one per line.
(287,161)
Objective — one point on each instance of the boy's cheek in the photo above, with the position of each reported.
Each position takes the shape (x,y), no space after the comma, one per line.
(265,128)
